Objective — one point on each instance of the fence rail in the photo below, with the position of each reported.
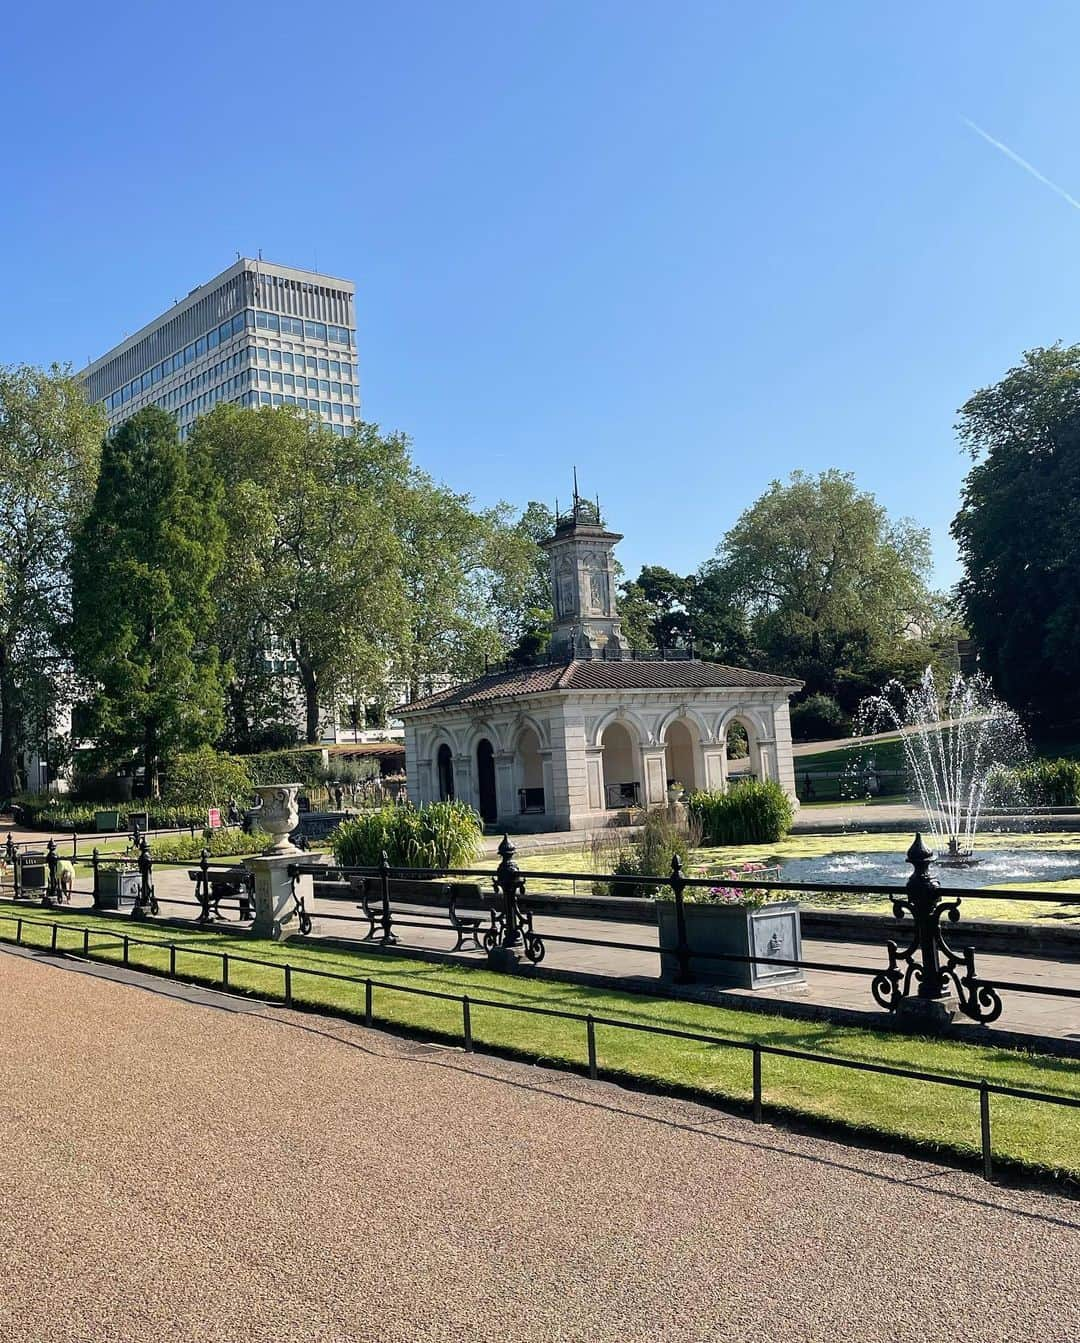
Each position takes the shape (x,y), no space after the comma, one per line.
(923,975)
(589,1021)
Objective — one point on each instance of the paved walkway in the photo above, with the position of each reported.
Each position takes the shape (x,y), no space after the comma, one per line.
(172,1171)
(1025,1013)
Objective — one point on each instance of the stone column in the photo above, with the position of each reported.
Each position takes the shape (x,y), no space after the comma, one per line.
(505,793)
(654,764)
(463,780)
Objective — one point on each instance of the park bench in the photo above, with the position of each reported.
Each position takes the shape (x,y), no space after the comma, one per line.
(427,904)
(216,884)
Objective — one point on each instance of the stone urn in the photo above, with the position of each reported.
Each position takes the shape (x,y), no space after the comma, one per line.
(279,814)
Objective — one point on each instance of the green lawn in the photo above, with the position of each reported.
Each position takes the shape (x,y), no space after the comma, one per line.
(887,754)
(1025,1132)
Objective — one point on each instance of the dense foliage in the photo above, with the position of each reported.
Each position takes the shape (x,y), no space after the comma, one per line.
(51,811)
(1037,783)
(143,617)
(206,778)
(50,442)
(754,812)
(438,836)
(223,843)
(299,766)
(817,718)
(1016,531)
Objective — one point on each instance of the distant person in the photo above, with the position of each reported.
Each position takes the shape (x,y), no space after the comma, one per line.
(65,878)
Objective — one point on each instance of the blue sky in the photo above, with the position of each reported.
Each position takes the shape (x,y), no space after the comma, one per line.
(688,247)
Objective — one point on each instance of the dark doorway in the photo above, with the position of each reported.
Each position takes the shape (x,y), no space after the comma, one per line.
(446,774)
(485,771)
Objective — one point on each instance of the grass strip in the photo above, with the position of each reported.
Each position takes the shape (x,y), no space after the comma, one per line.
(1029,1134)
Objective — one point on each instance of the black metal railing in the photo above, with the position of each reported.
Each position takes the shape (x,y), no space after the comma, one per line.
(591,1023)
(922,974)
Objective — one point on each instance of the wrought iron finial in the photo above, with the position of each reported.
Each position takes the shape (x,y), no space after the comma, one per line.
(919,856)
(506,848)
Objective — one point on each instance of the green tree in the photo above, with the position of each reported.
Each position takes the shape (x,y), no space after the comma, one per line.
(144,563)
(830,587)
(1016,531)
(50,442)
(313,558)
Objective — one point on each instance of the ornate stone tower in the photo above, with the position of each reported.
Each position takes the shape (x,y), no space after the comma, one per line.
(583,584)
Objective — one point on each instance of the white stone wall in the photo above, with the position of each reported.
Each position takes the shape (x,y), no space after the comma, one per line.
(570,729)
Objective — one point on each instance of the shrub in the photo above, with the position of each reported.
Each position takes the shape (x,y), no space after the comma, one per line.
(221,843)
(1040,783)
(47,811)
(440,835)
(666,832)
(755,812)
(817,718)
(205,778)
(299,766)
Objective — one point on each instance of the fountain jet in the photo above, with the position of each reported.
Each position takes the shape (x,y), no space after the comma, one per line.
(954,743)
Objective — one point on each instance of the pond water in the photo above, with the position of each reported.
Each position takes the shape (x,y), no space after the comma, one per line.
(996,867)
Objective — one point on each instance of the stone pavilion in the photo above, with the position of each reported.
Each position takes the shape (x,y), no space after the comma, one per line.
(594,729)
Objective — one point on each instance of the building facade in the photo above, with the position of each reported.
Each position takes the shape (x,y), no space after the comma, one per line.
(567,744)
(258,334)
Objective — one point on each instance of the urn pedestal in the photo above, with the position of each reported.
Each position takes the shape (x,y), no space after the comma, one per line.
(276,913)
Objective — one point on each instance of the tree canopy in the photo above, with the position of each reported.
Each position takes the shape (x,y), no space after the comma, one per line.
(1016,531)
(831,589)
(143,566)
(50,441)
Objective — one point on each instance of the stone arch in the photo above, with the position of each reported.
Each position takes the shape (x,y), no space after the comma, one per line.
(486,787)
(540,727)
(683,759)
(529,771)
(444,772)
(629,719)
(620,741)
(479,731)
(756,732)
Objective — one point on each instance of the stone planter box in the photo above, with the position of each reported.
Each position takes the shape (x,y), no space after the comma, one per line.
(734,930)
(117,885)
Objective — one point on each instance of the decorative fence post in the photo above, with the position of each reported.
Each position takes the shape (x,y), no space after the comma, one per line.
(202,886)
(10,850)
(923,979)
(95,859)
(512,925)
(388,938)
(677,882)
(52,890)
(146,902)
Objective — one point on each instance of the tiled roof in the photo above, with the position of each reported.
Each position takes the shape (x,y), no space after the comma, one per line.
(584,674)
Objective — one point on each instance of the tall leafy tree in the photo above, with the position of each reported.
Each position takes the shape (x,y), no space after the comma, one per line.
(50,442)
(832,589)
(313,556)
(144,564)
(1017,529)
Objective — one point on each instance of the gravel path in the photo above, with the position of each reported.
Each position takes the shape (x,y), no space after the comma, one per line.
(178,1165)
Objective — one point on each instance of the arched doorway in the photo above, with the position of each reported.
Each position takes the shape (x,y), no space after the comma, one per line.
(680,756)
(741,746)
(444,762)
(622,786)
(485,780)
(530,774)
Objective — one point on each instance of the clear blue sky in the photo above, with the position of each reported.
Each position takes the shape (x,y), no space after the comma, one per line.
(690,247)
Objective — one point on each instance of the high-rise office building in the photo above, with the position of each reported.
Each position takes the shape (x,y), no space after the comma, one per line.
(257,334)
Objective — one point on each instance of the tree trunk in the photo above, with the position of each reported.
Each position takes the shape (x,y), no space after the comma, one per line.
(150,763)
(311,700)
(9,780)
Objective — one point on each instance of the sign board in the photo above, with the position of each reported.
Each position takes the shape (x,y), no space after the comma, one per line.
(213,818)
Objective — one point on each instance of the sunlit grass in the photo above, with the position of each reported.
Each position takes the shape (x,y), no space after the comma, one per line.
(1032,1134)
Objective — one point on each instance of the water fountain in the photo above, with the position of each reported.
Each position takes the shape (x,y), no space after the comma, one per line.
(954,742)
